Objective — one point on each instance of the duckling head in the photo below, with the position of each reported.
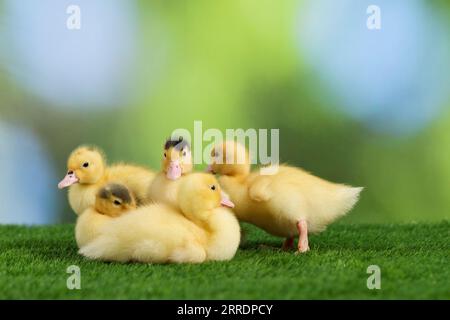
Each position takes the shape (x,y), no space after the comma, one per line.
(177,158)
(114,199)
(229,158)
(86,165)
(199,194)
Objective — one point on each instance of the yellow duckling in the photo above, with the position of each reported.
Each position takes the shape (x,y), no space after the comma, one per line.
(87,172)
(114,199)
(158,233)
(111,201)
(288,203)
(176,163)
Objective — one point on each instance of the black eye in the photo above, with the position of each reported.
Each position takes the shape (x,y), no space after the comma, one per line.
(117,202)
(164,154)
(213,187)
(184,153)
(86,164)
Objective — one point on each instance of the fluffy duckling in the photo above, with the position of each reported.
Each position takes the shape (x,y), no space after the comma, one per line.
(202,201)
(87,172)
(111,201)
(114,199)
(176,163)
(158,233)
(289,203)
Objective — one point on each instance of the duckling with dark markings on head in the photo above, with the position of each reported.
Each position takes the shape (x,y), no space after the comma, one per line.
(177,158)
(175,164)
(111,201)
(114,200)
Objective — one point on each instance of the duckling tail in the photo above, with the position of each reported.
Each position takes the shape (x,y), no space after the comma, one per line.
(349,197)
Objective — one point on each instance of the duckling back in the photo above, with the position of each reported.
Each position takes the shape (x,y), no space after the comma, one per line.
(137,179)
(305,196)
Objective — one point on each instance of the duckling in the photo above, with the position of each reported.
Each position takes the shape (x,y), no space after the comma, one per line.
(289,203)
(87,173)
(202,201)
(114,200)
(176,162)
(111,201)
(159,233)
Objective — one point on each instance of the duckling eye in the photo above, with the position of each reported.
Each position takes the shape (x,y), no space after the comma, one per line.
(117,202)
(86,164)
(184,153)
(164,154)
(213,187)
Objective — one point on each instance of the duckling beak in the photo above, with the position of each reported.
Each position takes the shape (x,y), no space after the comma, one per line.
(174,170)
(225,200)
(68,180)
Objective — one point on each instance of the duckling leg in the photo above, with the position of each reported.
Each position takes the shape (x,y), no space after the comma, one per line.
(288,244)
(302,228)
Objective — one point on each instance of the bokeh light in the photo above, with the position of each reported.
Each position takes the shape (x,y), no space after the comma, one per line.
(392,79)
(86,68)
(27,190)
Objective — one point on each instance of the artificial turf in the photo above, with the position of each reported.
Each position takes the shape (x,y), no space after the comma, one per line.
(414,260)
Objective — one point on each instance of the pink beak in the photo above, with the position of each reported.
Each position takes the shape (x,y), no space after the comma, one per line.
(68,180)
(225,201)
(208,168)
(174,170)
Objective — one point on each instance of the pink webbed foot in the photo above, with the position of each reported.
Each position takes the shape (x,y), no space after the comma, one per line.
(303,244)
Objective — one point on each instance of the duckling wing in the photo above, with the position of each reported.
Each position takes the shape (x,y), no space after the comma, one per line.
(260,190)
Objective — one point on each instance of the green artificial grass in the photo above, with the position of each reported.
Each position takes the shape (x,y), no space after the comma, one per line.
(414,261)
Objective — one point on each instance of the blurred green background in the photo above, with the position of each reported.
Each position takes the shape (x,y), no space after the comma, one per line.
(364,107)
